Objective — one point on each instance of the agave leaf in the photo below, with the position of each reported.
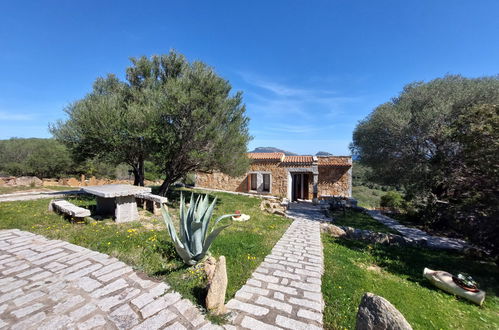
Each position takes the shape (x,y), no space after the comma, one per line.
(181,249)
(206,218)
(199,208)
(223,217)
(197,238)
(190,213)
(214,233)
(184,232)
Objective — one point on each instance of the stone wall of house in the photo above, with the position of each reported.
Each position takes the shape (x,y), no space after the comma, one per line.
(335,181)
(217,180)
(332,180)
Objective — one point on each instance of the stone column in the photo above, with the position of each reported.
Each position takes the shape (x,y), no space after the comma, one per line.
(126,209)
(315,170)
(315,200)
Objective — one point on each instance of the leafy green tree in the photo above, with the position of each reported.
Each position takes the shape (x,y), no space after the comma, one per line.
(427,141)
(43,158)
(473,185)
(179,115)
(107,125)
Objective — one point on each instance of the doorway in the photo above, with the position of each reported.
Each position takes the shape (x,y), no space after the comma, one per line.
(299,186)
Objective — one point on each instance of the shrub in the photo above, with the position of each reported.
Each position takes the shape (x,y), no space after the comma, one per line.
(392,199)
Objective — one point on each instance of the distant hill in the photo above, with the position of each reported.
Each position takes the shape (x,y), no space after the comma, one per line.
(323,153)
(272,149)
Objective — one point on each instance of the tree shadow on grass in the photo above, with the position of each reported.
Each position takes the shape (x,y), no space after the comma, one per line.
(409,262)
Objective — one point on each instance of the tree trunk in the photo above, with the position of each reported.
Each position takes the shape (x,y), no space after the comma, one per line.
(165,186)
(138,174)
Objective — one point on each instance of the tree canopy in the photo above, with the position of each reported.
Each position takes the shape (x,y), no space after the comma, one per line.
(181,116)
(44,158)
(436,140)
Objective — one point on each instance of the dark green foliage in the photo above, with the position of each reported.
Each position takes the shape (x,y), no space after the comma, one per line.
(44,158)
(438,140)
(392,199)
(179,115)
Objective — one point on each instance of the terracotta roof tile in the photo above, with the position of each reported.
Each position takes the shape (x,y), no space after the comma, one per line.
(298,159)
(266,155)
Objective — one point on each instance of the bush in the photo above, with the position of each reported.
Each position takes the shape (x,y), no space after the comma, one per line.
(392,199)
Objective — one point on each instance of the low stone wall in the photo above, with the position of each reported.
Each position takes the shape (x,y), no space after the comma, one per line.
(22,181)
(12,181)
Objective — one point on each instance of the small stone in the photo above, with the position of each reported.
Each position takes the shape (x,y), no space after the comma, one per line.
(124,317)
(95,322)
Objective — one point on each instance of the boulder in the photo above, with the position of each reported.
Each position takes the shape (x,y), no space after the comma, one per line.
(377,313)
(215,300)
(335,231)
(273,207)
(29,181)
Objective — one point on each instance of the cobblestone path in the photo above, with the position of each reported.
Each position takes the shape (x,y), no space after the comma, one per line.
(436,242)
(51,284)
(285,290)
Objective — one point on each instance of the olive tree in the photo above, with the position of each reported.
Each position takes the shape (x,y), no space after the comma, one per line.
(429,140)
(181,116)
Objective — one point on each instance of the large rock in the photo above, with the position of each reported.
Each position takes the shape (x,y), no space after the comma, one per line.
(334,231)
(29,181)
(377,313)
(273,206)
(215,300)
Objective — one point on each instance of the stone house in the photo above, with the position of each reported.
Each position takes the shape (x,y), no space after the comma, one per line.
(292,177)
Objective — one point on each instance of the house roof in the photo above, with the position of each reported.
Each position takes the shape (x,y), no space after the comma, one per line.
(298,159)
(306,160)
(279,156)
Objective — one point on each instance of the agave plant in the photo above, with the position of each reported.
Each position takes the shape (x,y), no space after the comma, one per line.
(193,243)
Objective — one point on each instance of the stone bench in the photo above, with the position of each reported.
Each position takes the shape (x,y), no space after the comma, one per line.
(151,202)
(71,210)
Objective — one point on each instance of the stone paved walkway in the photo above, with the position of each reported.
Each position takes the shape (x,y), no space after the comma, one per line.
(435,242)
(285,290)
(51,284)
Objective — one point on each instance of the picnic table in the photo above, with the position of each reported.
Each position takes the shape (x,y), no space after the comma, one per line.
(117,199)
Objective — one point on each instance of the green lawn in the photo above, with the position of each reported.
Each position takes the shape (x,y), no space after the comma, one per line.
(367,197)
(359,220)
(146,245)
(353,268)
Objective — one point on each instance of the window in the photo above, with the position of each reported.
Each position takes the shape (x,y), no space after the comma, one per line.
(266,182)
(253,181)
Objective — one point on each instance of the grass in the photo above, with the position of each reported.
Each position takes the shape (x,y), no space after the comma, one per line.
(354,267)
(146,246)
(10,190)
(359,220)
(367,197)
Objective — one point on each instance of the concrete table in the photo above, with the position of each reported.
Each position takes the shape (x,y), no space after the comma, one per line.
(117,199)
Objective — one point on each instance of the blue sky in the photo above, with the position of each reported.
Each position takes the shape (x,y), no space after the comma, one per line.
(309,70)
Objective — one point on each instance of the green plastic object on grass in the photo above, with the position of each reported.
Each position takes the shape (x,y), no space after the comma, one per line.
(193,243)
